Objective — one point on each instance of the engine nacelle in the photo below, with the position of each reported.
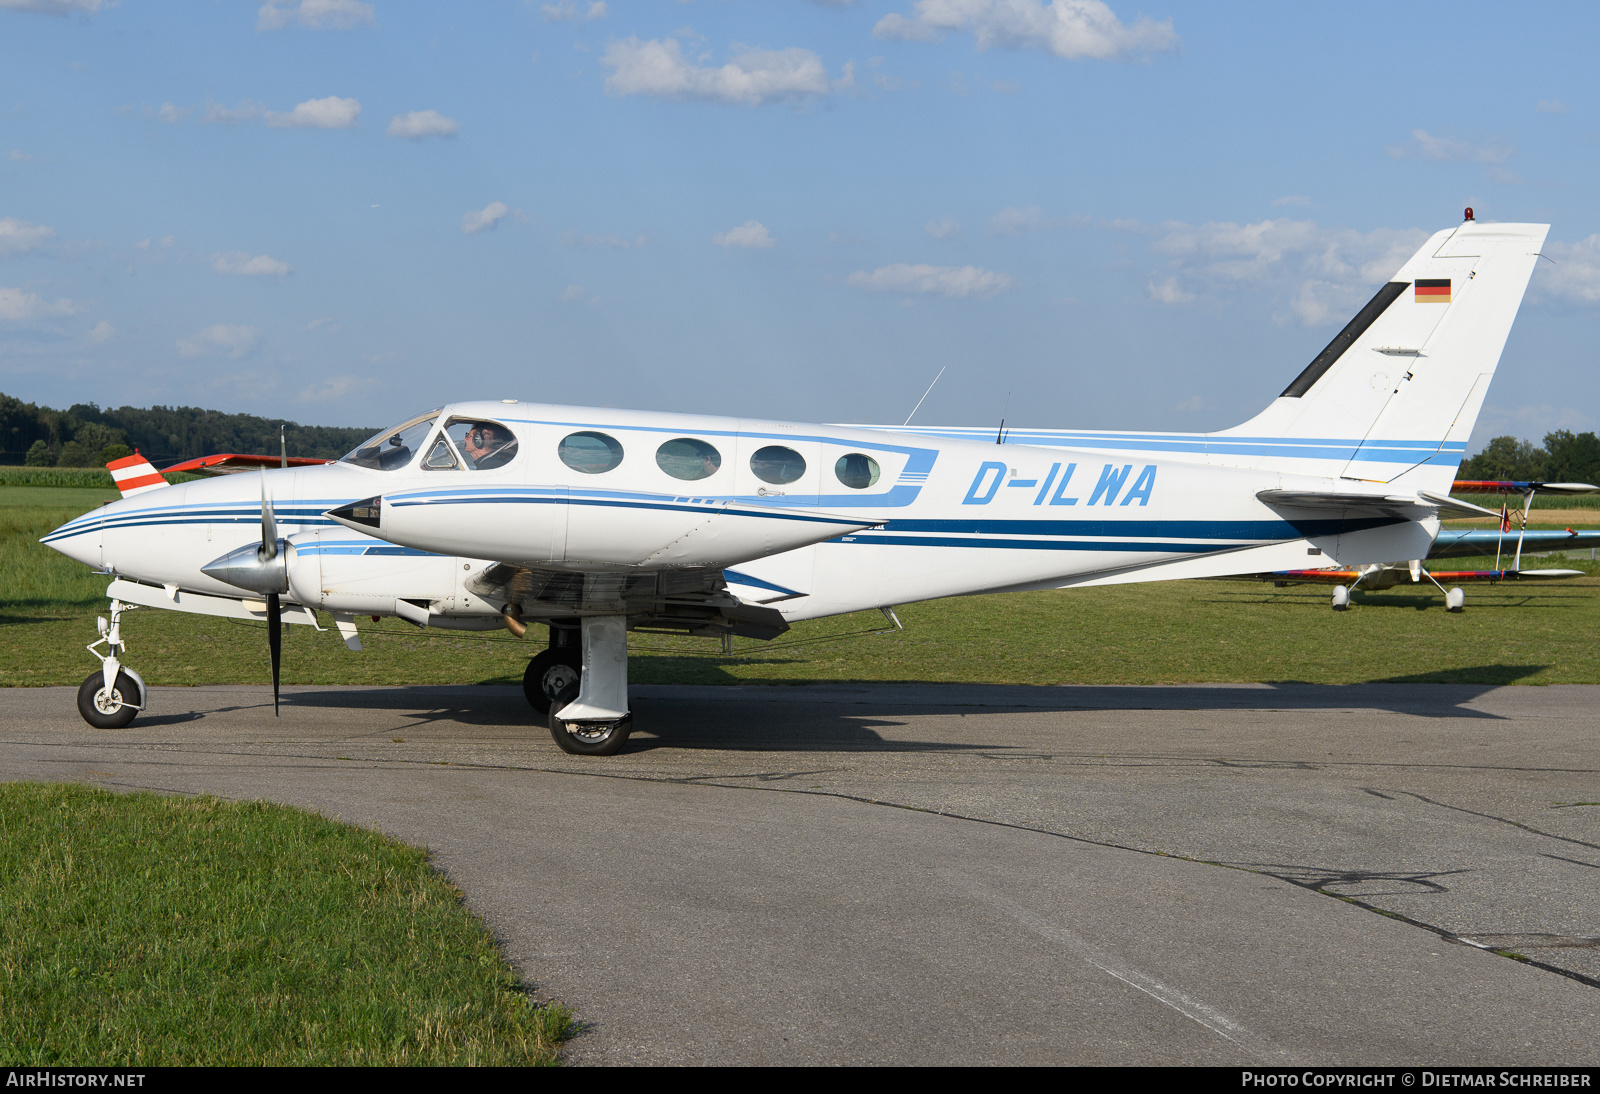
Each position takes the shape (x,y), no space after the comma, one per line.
(340,572)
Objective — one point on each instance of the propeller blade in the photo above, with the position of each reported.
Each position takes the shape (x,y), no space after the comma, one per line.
(269,525)
(275,643)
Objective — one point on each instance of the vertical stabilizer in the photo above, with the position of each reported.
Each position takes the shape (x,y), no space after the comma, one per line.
(134,475)
(1398,390)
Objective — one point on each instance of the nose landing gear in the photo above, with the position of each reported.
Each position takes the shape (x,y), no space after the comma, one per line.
(111,697)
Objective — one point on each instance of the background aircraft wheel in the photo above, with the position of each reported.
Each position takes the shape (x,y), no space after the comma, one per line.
(586,739)
(107,710)
(1341,598)
(1455,600)
(549,673)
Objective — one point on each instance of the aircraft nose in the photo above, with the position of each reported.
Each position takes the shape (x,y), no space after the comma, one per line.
(81,547)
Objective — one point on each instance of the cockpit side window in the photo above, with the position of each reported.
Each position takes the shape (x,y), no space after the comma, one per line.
(393,448)
(483,444)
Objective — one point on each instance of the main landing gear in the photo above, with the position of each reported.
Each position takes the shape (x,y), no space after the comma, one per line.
(584,696)
(110,697)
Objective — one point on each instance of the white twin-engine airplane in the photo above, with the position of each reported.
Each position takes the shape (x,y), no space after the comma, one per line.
(490,514)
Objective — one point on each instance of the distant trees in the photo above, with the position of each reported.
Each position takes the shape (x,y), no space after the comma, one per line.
(87,436)
(1564,457)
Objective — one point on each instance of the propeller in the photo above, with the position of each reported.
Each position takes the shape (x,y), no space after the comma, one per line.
(266,553)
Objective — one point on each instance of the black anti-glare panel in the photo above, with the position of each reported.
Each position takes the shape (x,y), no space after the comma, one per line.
(1345,339)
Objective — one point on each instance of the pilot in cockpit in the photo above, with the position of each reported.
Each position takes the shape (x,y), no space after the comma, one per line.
(488,445)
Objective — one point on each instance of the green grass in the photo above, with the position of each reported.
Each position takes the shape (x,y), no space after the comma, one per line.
(1167,632)
(97,478)
(140,930)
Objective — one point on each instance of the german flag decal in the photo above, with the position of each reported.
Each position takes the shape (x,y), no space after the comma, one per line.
(1434,290)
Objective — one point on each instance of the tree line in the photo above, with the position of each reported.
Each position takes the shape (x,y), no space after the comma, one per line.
(84,435)
(1564,457)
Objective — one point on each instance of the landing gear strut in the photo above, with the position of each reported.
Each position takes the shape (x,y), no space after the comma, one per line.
(110,697)
(589,716)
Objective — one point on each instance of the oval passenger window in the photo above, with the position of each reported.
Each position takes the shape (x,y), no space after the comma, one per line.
(589,452)
(777,464)
(688,459)
(857,470)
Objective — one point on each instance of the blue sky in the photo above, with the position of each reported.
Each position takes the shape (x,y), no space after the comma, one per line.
(1101,216)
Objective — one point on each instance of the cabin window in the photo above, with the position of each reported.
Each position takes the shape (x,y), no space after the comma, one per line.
(688,459)
(483,444)
(392,448)
(441,457)
(777,464)
(590,452)
(857,471)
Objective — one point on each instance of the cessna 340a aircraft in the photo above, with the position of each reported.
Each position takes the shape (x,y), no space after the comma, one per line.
(492,514)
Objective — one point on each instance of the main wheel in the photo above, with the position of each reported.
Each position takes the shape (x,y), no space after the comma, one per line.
(547,674)
(107,709)
(586,738)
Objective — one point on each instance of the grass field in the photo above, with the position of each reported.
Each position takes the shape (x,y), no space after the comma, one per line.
(1168,632)
(140,930)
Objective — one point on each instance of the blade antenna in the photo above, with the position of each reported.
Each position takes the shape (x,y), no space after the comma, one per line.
(925,394)
(283,441)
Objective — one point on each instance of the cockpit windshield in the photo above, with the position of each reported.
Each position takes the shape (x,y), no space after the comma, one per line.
(393,448)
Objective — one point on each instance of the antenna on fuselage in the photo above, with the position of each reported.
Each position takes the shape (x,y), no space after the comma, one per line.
(925,394)
(283,441)
(1000,434)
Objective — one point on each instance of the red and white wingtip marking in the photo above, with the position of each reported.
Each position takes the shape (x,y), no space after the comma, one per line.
(134,475)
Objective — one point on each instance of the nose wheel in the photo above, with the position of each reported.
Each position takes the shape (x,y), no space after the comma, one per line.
(110,697)
(108,708)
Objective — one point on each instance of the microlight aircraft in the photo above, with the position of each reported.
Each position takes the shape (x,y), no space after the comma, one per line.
(484,515)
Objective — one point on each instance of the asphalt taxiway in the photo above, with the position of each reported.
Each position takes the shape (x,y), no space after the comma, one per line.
(966,874)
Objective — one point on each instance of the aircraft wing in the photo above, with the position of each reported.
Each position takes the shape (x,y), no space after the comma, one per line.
(1452,543)
(231,463)
(1443,577)
(1513,486)
(696,601)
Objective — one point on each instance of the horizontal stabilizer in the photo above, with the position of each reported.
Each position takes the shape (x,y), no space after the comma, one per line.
(1418,506)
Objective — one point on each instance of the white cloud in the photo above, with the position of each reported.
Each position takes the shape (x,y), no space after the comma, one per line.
(1014,221)
(325,324)
(1425,146)
(951,281)
(566,11)
(751,77)
(1292,199)
(172,114)
(247,265)
(1551,106)
(21,307)
(58,7)
(315,15)
(1328,271)
(1168,292)
(423,123)
(577,294)
(943,228)
(330,113)
(19,157)
(100,333)
(1575,275)
(17,236)
(219,340)
(752,233)
(484,219)
(1070,29)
